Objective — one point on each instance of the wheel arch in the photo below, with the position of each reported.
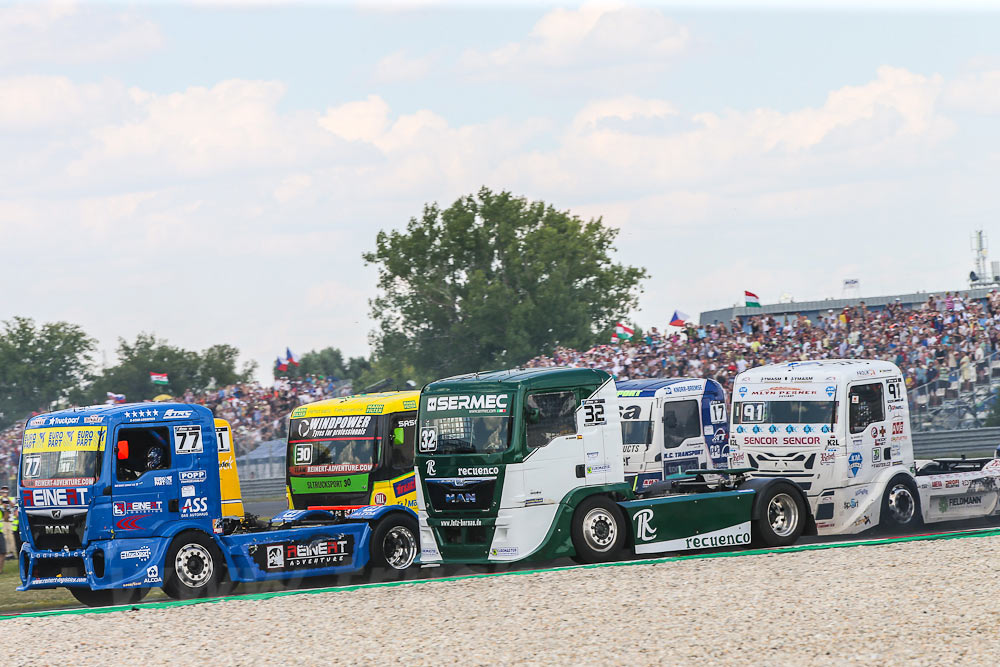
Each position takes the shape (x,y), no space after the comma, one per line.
(760,484)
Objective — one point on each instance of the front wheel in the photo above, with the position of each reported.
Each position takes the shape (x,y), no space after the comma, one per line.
(900,506)
(193,567)
(108,596)
(781,516)
(394,544)
(598,530)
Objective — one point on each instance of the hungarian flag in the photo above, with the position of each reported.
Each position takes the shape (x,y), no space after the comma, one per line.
(280,365)
(290,357)
(678,319)
(158,378)
(753,301)
(623,332)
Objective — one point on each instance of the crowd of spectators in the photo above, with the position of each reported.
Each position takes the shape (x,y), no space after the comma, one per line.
(256,412)
(943,341)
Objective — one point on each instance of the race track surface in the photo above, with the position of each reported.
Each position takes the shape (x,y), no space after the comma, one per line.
(924,601)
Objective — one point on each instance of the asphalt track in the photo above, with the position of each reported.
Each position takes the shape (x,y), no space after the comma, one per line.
(968,529)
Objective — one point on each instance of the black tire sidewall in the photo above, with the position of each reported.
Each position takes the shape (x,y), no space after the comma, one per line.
(584,553)
(172,585)
(377,561)
(108,596)
(762,533)
(885,520)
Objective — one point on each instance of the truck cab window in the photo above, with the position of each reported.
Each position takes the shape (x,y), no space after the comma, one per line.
(140,450)
(680,422)
(866,406)
(402,433)
(549,416)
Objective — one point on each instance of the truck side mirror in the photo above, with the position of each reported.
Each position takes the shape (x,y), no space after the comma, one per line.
(397,436)
(122,450)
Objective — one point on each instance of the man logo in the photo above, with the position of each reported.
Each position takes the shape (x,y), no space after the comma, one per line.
(275,556)
(431,468)
(643,530)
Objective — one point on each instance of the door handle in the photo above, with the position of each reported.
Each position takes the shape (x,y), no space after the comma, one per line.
(173,505)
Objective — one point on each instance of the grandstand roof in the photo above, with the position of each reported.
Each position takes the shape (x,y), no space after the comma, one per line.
(812,308)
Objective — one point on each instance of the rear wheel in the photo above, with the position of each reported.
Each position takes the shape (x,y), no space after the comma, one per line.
(598,530)
(781,516)
(108,596)
(900,506)
(194,567)
(394,544)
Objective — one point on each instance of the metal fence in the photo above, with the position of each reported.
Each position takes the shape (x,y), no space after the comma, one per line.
(968,442)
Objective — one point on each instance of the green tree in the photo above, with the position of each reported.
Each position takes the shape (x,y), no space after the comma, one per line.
(494,280)
(40,365)
(185,369)
(328,362)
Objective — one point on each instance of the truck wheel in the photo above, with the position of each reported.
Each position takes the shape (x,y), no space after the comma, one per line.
(598,530)
(781,516)
(900,506)
(394,544)
(193,567)
(108,596)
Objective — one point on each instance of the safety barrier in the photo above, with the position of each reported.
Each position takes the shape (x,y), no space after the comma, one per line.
(970,442)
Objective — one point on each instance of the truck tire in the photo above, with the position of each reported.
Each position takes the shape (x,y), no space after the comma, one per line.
(781,515)
(109,596)
(193,568)
(900,506)
(598,530)
(395,543)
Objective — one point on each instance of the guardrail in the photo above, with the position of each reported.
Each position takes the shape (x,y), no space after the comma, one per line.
(263,488)
(970,442)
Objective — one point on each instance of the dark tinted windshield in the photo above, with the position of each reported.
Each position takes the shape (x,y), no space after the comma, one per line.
(636,432)
(339,444)
(464,435)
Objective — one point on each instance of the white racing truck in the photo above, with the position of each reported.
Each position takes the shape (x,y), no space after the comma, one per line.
(670,425)
(840,429)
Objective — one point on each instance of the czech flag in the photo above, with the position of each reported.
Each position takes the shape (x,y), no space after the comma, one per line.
(679,319)
(280,365)
(290,357)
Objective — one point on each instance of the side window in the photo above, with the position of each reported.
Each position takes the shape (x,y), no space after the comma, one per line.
(866,407)
(680,422)
(549,416)
(140,450)
(402,434)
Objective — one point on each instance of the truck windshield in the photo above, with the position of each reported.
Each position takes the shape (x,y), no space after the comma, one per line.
(785,412)
(636,432)
(341,444)
(61,457)
(465,435)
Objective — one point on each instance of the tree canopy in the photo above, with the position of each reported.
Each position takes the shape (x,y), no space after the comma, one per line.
(39,365)
(494,280)
(185,369)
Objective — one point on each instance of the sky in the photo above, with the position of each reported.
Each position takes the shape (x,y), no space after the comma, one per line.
(212,172)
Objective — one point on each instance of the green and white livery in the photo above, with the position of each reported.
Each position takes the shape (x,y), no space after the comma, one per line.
(528,464)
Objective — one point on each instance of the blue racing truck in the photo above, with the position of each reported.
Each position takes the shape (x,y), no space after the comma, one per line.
(110,521)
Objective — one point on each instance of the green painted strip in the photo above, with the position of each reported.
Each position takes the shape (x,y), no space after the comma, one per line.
(983,532)
(330,484)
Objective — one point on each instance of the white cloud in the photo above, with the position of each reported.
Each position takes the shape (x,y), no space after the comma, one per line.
(218,190)
(69,33)
(594,36)
(402,66)
(977,92)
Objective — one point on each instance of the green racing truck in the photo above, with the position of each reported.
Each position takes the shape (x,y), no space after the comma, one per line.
(527,464)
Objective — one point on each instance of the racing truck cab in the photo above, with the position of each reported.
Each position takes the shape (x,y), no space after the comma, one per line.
(527,464)
(350,452)
(119,499)
(672,425)
(840,430)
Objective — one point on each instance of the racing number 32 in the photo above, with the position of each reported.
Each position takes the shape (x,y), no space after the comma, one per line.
(593,412)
